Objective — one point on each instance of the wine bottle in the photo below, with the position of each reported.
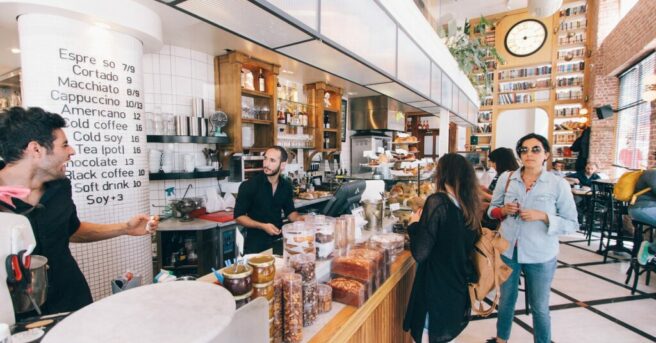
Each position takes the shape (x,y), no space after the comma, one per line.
(261,81)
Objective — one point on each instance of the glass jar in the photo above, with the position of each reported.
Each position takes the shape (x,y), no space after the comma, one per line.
(325,236)
(324,298)
(298,238)
(309,303)
(243,299)
(341,236)
(353,235)
(263,268)
(305,265)
(237,280)
(263,290)
(277,308)
(292,293)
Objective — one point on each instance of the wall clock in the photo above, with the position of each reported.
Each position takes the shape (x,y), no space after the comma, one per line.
(525,37)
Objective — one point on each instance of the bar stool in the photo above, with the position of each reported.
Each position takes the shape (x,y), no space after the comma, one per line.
(597,210)
(615,228)
(635,268)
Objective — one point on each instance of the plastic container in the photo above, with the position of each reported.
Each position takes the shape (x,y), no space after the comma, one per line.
(292,294)
(277,309)
(305,265)
(264,268)
(309,303)
(373,254)
(354,267)
(393,242)
(351,230)
(348,291)
(263,290)
(341,236)
(298,238)
(237,281)
(324,298)
(324,236)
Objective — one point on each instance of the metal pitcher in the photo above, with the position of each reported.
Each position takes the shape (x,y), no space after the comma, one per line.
(39,270)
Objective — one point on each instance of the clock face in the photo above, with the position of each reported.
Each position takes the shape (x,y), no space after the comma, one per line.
(525,38)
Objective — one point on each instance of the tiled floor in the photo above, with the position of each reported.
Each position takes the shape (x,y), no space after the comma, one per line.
(589,302)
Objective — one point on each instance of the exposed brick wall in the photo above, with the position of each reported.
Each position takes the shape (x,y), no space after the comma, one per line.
(621,47)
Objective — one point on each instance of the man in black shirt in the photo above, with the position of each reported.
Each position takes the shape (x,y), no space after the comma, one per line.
(35,151)
(261,201)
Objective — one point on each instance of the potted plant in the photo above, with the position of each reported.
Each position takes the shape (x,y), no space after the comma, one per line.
(473,54)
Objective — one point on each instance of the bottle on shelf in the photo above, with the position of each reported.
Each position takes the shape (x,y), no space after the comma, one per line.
(261,82)
(326,141)
(279,91)
(280,115)
(288,115)
(326,121)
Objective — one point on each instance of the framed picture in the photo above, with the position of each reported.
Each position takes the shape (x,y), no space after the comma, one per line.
(343,119)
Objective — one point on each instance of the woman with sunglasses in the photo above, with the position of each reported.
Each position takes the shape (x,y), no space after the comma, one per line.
(537,207)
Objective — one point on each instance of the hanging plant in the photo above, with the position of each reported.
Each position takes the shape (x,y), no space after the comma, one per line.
(472,53)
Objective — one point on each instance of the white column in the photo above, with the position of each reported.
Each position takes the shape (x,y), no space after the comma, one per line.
(443,147)
(92,75)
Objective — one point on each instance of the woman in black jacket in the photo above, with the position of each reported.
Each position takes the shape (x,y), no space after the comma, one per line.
(442,238)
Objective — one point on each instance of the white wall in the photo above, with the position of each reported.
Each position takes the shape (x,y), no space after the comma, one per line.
(514,124)
(172,78)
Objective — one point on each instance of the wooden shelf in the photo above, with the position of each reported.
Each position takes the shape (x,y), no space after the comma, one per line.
(187,139)
(575,16)
(185,175)
(331,110)
(525,78)
(522,105)
(566,132)
(487,134)
(571,117)
(526,90)
(330,130)
(256,121)
(254,93)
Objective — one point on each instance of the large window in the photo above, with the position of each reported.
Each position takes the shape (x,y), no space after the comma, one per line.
(633,117)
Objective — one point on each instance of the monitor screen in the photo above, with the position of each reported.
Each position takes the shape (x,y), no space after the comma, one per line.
(347,195)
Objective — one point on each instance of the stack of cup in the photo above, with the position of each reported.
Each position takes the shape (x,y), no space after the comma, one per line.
(167,161)
(155,160)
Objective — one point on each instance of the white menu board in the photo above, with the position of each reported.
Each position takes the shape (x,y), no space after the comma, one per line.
(92,76)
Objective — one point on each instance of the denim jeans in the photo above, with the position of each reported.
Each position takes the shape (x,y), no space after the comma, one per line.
(538,277)
(645,214)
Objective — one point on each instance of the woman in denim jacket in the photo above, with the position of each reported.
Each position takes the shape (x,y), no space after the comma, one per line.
(537,207)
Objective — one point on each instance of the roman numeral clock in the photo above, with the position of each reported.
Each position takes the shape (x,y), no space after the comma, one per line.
(525,38)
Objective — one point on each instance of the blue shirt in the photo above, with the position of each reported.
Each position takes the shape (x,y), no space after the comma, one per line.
(536,241)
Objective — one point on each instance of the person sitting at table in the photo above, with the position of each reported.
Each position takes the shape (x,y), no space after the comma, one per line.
(584,178)
(262,199)
(559,168)
(644,210)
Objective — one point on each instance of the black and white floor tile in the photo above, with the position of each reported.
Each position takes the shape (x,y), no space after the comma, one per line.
(589,301)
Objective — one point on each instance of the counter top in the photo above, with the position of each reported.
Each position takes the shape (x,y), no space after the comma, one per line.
(173,224)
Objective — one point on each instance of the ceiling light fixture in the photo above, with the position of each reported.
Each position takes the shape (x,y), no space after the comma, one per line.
(285,71)
(15,50)
(543,8)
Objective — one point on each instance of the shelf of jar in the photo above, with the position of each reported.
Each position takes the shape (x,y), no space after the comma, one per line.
(254,93)
(186,175)
(187,139)
(292,125)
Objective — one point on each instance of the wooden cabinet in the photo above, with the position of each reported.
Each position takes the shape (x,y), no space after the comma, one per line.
(247,107)
(327,122)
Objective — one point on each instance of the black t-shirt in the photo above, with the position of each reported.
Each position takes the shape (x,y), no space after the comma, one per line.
(54,220)
(256,200)
(584,180)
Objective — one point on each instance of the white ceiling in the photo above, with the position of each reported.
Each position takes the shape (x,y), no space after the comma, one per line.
(465,9)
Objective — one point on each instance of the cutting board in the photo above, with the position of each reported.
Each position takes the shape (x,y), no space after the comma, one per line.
(220,217)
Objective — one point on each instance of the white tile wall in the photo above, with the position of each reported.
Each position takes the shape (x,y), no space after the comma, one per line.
(172,78)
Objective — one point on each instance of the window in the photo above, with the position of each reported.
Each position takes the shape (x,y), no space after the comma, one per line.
(633,118)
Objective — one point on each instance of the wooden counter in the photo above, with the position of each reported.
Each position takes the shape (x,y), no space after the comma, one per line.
(380,319)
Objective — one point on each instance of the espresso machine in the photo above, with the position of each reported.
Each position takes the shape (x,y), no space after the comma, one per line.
(15,235)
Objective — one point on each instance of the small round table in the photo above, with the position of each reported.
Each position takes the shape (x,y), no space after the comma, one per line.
(179,311)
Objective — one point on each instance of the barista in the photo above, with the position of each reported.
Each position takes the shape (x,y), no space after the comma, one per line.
(35,151)
(262,199)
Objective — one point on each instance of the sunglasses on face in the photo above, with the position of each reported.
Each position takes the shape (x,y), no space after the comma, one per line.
(524,150)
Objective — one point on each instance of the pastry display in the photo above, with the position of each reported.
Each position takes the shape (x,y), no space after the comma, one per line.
(392,242)
(314,195)
(304,265)
(348,291)
(298,238)
(377,256)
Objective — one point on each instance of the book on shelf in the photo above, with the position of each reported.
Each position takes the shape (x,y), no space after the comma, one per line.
(571,67)
(510,74)
(524,85)
(573,11)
